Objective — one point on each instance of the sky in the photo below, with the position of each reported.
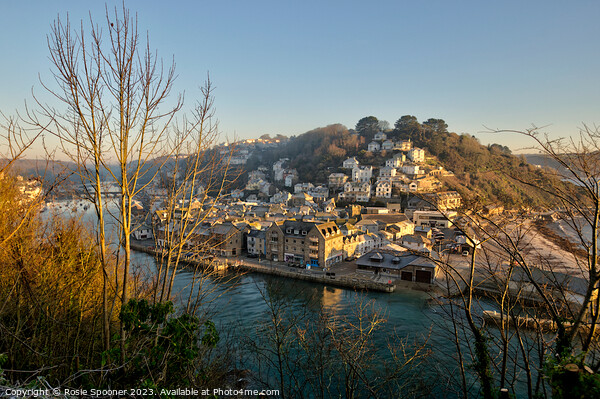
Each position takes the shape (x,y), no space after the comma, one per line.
(285,67)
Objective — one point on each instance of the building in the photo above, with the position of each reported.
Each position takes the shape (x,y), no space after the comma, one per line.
(387,172)
(434,218)
(383,189)
(319,193)
(226,239)
(256,242)
(303,187)
(404,145)
(356,192)
(445,200)
(374,146)
(337,180)
(350,163)
(380,136)
(416,155)
(305,243)
(400,265)
(396,161)
(143,232)
(387,145)
(362,174)
(325,245)
(329,205)
(410,169)
(279,168)
(416,242)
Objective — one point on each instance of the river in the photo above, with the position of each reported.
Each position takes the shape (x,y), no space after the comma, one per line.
(237,304)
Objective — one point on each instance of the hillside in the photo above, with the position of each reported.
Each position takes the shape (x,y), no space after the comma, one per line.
(488,174)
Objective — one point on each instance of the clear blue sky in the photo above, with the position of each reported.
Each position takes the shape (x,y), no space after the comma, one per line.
(287,67)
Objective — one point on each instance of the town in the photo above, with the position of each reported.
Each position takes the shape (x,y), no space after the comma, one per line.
(279,220)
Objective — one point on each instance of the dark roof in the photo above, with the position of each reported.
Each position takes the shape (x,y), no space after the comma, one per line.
(296,226)
(257,233)
(393,260)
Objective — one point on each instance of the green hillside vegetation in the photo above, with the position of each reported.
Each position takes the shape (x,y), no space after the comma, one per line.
(486,174)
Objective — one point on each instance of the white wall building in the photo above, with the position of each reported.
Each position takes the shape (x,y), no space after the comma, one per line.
(387,172)
(416,155)
(383,189)
(387,145)
(350,163)
(374,146)
(380,136)
(396,161)
(410,169)
(362,174)
(337,180)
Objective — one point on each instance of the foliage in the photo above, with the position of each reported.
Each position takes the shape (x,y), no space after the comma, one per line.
(51,291)
(314,154)
(367,127)
(162,350)
(570,377)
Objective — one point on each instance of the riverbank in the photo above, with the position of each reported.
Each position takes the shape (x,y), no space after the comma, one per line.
(342,275)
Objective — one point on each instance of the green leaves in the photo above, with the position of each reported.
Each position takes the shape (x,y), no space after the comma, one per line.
(166,347)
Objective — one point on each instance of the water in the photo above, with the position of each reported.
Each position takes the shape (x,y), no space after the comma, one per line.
(238,305)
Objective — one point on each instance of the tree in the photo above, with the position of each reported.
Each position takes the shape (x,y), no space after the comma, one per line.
(408,127)
(368,127)
(437,126)
(383,126)
(544,287)
(118,109)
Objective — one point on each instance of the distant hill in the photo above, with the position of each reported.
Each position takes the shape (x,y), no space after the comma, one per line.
(484,174)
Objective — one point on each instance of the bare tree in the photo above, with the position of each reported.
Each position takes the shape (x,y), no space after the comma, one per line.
(544,292)
(116,95)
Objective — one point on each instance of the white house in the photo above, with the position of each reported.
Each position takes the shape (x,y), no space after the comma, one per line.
(143,232)
(380,136)
(350,163)
(374,146)
(288,179)
(387,172)
(387,145)
(410,169)
(337,180)
(281,197)
(416,243)
(368,242)
(362,174)
(416,155)
(278,169)
(383,189)
(396,161)
(303,187)
(356,191)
